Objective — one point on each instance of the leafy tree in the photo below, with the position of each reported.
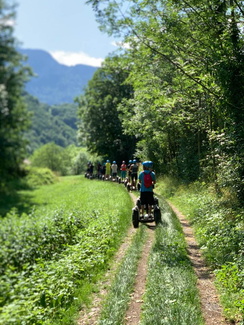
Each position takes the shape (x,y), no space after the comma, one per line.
(51,156)
(101,125)
(186,67)
(71,160)
(13,116)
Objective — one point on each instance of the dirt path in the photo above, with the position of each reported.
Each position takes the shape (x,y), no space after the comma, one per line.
(134,310)
(211,309)
(90,316)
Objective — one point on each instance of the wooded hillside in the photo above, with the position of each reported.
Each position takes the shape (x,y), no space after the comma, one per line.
(50,123)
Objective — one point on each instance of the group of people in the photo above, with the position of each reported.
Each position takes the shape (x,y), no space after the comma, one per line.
(129,173)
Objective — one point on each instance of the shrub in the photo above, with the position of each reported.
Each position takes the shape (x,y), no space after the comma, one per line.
(40,176)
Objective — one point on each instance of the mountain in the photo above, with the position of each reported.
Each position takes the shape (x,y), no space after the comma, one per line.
(56,123)
(55,83)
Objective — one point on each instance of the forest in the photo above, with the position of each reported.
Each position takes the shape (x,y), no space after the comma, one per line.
(173,94)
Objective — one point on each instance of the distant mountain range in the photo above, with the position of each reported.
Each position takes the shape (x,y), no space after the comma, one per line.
(55,83)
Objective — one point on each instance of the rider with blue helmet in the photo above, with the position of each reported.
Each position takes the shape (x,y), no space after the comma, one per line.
(147,180)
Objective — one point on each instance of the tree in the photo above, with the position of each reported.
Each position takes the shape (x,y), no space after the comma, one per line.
(101,125)
(53,157)
(13,116)
(200,44)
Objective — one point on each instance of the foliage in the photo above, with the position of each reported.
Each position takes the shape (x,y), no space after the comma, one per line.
(101,126)
(50,156)
(188,89)
(14,118)
(71,160)
(49,254)
(218,223)
(40,176)
(56,123)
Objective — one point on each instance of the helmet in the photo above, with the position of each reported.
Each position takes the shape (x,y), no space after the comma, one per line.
(123,162)
(108,161)
(134,161)
(147,164)
(114,162)
(130,161)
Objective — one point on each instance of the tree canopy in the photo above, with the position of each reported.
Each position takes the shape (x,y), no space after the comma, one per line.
(185,63)
(101,127)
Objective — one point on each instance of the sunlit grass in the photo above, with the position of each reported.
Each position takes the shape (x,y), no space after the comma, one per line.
(171,296)
(52,273)
(117,300)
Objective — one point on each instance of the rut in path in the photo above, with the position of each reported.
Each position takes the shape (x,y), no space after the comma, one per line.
(134,310)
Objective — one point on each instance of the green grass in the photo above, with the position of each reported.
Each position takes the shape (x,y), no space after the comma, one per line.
(80,223)
(117,300)
(171,295)
(218,223)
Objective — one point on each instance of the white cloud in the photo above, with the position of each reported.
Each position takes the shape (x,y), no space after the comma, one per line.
(74,58)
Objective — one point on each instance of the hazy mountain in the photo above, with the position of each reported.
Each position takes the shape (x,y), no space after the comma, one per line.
(55,83)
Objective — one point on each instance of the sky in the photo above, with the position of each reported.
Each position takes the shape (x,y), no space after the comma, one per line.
(67,29)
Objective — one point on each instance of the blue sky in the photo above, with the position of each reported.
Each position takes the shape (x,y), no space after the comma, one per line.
(65,28)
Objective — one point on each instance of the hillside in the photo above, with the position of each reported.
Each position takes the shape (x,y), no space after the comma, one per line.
(55,83)
(56,123)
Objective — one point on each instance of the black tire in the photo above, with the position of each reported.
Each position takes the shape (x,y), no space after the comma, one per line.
(138,203)
(155,200)
(135,217)
(157,215)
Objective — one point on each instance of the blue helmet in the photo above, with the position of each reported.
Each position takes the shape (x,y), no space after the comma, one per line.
(134,161)
(130,161)
(114,162)
(108,161)
(147,164)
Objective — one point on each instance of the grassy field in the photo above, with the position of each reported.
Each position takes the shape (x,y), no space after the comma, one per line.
(52,253)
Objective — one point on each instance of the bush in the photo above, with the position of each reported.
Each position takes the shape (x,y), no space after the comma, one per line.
(40,176)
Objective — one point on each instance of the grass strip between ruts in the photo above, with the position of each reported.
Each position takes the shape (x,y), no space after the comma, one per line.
(171,296)
(117,300)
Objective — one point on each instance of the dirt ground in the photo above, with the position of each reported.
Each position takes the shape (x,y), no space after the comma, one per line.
(211,309)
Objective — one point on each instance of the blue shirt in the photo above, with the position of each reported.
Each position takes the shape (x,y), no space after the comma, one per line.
(141,179)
